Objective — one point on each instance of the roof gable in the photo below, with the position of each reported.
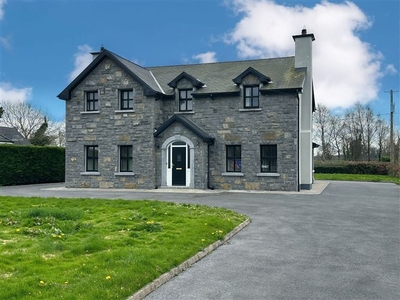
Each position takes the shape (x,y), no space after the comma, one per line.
(188,124)
(263,79)
(145,77)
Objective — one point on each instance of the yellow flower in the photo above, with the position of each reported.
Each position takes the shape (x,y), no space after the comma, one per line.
(17,230)
(66,282)
(41,282)
(203,240)
(108,277)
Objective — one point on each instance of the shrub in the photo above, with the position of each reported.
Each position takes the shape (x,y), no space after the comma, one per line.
(345,167)
(30,164)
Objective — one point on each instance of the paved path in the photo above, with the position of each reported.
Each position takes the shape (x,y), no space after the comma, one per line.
(343,243)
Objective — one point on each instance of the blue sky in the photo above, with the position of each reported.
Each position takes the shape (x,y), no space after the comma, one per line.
(44,43)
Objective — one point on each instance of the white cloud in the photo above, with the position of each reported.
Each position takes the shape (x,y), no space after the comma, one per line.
(207,57)
(2,3)
(346,69)
(391,70)
(82,58)
(9,93)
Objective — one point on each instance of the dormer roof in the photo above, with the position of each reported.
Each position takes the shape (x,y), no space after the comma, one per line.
(193,80)
(263,79)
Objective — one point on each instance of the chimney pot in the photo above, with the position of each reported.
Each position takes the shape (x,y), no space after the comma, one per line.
(304,31)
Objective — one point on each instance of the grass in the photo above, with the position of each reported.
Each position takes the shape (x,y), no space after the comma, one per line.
(357,177)
(98,249)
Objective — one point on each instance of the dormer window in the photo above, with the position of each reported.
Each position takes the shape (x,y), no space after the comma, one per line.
(185,100)
(251,96)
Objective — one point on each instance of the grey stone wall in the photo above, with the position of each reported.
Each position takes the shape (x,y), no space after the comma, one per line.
(109,128)
(275,122)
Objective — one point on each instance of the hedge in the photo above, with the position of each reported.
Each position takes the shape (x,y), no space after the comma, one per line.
(31,164)
(373,168)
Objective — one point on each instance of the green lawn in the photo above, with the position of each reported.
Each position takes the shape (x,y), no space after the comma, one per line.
(357,177)
(98,249)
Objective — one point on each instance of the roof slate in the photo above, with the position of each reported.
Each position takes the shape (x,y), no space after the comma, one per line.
(217,77)
(12,136)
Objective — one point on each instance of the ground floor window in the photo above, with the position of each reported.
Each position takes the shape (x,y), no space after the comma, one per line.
(269,158)
(92,158)
(234,158)
(125,158)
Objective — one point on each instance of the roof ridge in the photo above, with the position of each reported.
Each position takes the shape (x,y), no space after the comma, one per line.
(219,62)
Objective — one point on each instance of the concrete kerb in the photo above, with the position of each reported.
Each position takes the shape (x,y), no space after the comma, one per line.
(164,278)
(318,187)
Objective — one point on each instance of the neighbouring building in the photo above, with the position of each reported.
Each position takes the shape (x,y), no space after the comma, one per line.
(10,135)
(243,125)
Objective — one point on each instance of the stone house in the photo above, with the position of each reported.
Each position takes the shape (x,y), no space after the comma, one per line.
(243,125)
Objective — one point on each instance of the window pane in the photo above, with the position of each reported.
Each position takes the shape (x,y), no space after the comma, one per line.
(255,102)
(183,105)
(127,99)
(269,158)
(233,159)
(182,94)
(92,158)
(189,104)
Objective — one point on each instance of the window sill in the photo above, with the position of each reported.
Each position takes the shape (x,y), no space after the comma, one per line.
(90,173)
(124,174)
(233,174)
(184,112)
(90,112)
(122,111)
(268,174)
(249,109)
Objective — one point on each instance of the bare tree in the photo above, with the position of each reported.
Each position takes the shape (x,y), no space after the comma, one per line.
(57,131)
(382,135)
(22,116)
(28,119)
(337,129)
(323,130)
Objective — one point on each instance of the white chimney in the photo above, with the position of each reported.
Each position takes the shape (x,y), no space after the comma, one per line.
(303,60)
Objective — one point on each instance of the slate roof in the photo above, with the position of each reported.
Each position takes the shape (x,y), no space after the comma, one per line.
(10,135)
(213,78)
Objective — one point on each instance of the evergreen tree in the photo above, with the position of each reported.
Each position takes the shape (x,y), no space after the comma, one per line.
(40,138)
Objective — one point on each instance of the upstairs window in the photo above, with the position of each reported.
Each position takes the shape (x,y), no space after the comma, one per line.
(126,100)
(92,101)
(234,158)
(92,158)
(125,159)
(185,100)
(269,159)
(251,97)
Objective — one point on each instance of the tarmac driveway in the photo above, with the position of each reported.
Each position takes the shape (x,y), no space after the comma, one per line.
(343,243)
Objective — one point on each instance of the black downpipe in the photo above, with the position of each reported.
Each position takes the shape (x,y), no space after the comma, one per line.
(298,143)
(208,168)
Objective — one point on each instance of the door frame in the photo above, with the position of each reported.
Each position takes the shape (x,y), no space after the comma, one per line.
(178,173)
(166,156)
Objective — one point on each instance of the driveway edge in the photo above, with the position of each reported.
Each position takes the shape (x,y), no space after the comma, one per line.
(156,283)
